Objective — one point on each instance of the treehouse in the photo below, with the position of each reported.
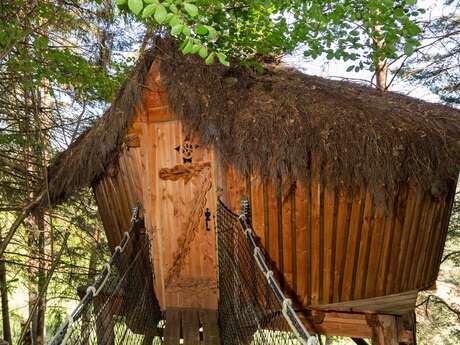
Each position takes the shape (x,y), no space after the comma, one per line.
(350,188)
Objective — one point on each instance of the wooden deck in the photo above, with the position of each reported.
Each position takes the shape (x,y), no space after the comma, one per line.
(191,327)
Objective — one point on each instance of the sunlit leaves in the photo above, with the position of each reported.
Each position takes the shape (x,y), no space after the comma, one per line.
(346,30)
(201,30)
(177,29)
(160,14)
(203,52)
(191,9)
(135,6)
(149,10)
(210,59)
(181,19)
(223,59)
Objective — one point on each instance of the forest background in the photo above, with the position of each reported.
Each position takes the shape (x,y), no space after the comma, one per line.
(61,63)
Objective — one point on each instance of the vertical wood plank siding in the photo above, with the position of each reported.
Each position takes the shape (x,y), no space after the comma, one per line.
(117,193)
(337,246)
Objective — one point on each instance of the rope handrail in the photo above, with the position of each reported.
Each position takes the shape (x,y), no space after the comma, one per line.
(288,311)
(63,333)
(252,307)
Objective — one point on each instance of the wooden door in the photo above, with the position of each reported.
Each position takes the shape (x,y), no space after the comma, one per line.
(184,217)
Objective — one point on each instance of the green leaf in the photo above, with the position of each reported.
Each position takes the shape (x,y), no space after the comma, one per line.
(350,68)
(160,14)
(173,8)
(212,32)
(149,10)
(201,30)
(186,31)
(177,29)
(188,47)
(168,17)
(152,2)
(408,49)
(210,59)
(191,9)
(175,20)
(223,59)
(121,2)
(203,52)
(195,48)
(41,43)
(135,6)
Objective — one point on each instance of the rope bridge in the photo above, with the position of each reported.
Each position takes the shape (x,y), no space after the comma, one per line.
(252,308)
(120,307)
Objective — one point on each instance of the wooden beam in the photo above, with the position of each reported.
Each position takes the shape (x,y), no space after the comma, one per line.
(358,325)
(385,330)
(395,304)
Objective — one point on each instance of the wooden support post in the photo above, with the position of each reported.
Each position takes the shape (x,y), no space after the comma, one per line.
(384,329)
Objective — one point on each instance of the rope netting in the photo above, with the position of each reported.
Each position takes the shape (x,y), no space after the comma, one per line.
(120,307)
(252,307)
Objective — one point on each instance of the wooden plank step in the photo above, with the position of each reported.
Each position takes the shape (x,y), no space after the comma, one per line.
(191,327)
(172,327)
(208,319)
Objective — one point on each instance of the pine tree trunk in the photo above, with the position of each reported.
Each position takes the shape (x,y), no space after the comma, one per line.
(5,307)
(36,153)
(41,277)
(86,318)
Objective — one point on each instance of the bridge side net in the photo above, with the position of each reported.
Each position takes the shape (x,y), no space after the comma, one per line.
(120,307)
(252,308)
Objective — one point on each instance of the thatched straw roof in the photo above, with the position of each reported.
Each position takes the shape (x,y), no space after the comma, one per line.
(274,123)
(87,159)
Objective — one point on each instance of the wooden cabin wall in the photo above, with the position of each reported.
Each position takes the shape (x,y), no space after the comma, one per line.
(118,192)
(177,179)
(172,176)
(332,247)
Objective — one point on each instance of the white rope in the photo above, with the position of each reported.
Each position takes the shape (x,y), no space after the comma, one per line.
(92,289)
(68,330)
(121,249)
(287,309)
(104,281)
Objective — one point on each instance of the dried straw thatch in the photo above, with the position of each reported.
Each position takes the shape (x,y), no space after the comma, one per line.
(89,156)
(276,122)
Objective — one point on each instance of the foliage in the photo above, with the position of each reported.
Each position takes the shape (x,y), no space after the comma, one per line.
(59,67)
(28,49)
(77,217)
(57,71)
(436,64)
(341,29)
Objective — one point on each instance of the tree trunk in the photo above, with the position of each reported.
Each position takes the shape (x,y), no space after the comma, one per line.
(86,318)
(36,154)
(381,75)
(106,35)
(380,63)
(41,277)
(5,307)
